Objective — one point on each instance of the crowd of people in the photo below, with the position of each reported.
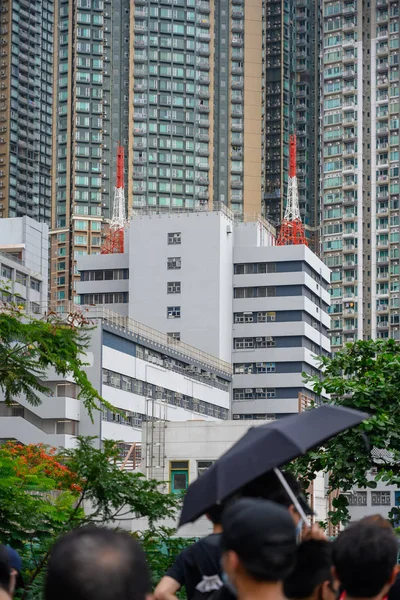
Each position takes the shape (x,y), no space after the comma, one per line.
(259,550)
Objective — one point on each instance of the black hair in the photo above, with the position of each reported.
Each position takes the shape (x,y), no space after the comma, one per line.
(364,556)
(5,569)
(94,563)
(215,513)
(313,567)
(269,487)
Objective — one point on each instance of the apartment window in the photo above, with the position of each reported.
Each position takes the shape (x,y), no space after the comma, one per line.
(174,287)
(254,268)
(203,466)
(173,312)
(20,278)
(255,292)
(271,392)
(174,336)
(179,478)
(6,272)
(380,498)
(174,262)
(270,367)
(174,238)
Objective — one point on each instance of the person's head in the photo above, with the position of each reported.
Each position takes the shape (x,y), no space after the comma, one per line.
(365,560)
(269,487)
(377,520)
(16,569)
(5,570)
(214,514)
(312,578)
(258,542)
(94,563)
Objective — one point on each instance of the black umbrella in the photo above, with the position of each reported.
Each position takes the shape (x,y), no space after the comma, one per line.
(262,449)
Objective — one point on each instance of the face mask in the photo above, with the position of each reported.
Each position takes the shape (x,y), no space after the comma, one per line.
(228,584)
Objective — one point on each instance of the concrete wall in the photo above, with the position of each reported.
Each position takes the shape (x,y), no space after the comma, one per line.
(205,276)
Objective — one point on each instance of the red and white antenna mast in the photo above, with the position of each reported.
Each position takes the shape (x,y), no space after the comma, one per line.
(114,242)
(292,229)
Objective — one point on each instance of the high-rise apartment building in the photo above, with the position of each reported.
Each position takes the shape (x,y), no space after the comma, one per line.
(291,105)
(92,91)
(360,167)
(179,86)
(196,88)
(26,107)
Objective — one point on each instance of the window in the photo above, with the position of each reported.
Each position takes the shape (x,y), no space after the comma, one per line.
(20,278)
(174,238)
(203,466)
(380,498)
(254,292)
(174,262)
(357,499)
(174,287)
(6,272)
(179,478)
(173,312)
(174,336)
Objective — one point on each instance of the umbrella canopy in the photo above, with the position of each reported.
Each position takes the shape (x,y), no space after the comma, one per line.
(262,449)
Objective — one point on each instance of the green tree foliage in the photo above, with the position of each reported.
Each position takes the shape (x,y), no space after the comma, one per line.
(43,492)
(29,346)
(364,375)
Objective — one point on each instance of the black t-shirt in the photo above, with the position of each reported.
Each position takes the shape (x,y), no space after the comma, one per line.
(199,566)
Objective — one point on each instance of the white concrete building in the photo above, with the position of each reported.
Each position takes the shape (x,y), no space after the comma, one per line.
(178,453)
(139,371)
(219,283)
(24,254)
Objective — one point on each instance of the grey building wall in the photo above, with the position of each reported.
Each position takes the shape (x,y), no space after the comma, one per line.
(27,243)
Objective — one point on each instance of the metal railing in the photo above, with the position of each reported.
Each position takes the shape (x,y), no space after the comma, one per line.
(216,207)
(147,334)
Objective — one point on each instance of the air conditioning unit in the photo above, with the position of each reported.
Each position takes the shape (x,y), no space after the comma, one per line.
(248,391)
(259,390)
(260,365)
(236,417)
(259,339)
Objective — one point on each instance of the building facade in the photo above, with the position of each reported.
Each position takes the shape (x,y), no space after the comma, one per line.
(259,306)
(178,453)
(26,108)
(280,322)
(291,105)
(196,89)
(92,90)
(139,372)
(24,252)
(360,167)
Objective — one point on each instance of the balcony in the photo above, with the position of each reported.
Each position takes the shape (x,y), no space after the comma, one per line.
(203,21)
(203,64)
(349,42)
(203,7)
(237,84)
(140,116)
(237,41)
(140,27)
(140,58)
(202,93)
(140,87)
(203,108)
(382,50)
(203,122)
(237,26)
(237,126)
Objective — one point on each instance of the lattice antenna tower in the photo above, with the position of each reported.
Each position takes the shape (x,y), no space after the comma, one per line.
(114,242)
(292,229)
